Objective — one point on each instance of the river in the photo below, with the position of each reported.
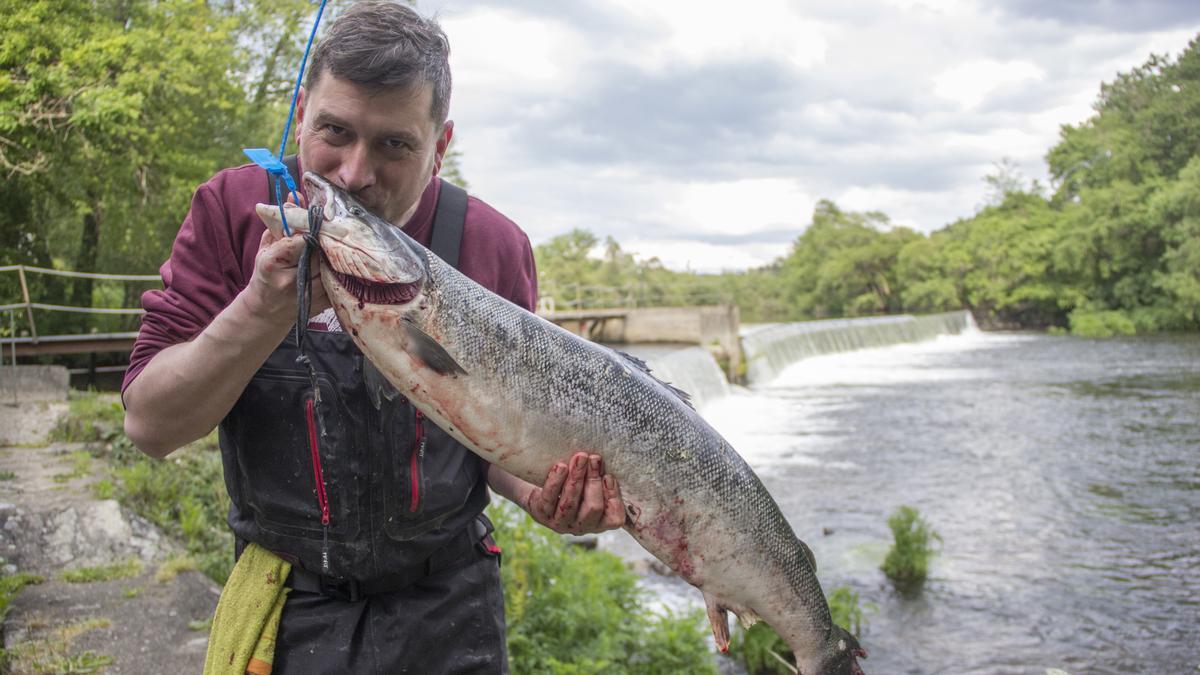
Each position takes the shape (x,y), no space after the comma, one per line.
(1062,475)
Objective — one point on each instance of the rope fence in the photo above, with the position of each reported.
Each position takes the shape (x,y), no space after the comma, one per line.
(27,305)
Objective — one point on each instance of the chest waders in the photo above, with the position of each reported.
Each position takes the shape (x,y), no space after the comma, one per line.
(401,512)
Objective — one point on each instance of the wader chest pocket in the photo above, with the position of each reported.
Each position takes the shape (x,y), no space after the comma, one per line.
(276,478)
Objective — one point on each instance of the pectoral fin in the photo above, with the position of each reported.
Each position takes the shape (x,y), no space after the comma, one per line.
(429,351)
(719,618)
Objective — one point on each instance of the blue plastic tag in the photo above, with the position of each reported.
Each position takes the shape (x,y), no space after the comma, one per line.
(268,161)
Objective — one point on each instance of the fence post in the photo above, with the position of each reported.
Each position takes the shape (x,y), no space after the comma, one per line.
(12,324)
(28,305)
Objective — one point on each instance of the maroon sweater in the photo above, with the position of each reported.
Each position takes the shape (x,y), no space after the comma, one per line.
(212,259)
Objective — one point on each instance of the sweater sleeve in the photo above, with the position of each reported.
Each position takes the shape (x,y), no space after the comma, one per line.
(201,277)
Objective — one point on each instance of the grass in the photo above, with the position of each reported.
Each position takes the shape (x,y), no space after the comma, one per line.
(52,654)
(91,417)
(7,475)
(184,495)
(120,570)
(201,625)
(171,568)
(907,563)
(81,465)
(10,585)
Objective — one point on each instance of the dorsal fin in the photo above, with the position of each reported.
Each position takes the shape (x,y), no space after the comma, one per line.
(808,554)
(641,365)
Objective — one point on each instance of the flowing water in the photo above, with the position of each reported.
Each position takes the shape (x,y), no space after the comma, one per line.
(1062,475)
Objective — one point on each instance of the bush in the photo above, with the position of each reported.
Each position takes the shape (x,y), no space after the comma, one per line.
(1101,324)
(907,563)
(576,611)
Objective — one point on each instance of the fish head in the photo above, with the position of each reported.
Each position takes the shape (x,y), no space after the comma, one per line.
(840,654)
(367,261)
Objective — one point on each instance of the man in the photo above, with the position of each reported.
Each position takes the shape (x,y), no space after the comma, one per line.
(389,572)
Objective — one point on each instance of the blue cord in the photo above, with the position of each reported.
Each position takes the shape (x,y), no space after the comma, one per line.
(262,156)
(300,78)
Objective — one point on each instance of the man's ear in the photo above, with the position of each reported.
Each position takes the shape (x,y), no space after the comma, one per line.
(301,98)
(443,144)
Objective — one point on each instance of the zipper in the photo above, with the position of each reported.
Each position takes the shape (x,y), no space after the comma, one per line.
(414,469)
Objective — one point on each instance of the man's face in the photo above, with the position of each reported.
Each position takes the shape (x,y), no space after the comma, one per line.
(380,145)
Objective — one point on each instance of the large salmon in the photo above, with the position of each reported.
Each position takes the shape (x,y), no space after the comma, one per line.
(524,394)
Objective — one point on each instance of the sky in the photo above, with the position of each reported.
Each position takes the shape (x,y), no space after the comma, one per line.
(704,133)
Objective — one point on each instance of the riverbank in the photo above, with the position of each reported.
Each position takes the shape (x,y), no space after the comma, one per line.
(96,586)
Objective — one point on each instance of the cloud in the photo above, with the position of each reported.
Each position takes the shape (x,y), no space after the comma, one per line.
(1117,15)
(969,84)
(666,123)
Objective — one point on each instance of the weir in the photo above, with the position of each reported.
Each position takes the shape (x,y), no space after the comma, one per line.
(770,348)
(689,368)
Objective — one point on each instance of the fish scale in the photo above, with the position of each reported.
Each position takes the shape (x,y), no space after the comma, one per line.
(525,394)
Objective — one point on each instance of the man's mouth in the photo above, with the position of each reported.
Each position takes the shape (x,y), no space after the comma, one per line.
(376,293)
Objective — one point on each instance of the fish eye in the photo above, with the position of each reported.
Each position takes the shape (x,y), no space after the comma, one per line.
(357,211)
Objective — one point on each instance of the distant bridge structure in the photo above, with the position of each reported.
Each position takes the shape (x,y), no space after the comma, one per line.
(713,325)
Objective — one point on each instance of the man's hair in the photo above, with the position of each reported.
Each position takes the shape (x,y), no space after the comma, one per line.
(381,44)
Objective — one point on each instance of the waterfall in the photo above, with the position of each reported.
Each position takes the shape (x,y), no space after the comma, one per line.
(690,368)
(770,348)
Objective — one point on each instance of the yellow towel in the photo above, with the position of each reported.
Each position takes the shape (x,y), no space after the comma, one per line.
(242,639)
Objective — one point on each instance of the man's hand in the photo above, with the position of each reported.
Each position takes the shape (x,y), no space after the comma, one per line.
(272,289)
(577,498)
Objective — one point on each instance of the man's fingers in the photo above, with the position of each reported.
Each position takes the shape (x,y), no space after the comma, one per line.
(614,506)
(547,501)
(591,510)
(268,238)
(568,501)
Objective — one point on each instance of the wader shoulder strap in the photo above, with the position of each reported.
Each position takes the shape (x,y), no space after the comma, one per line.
(290,163)
(448,222)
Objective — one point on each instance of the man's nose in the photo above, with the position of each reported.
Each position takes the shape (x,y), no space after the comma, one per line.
(355,171)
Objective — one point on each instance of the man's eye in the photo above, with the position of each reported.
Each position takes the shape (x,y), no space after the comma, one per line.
(396,144)
(335,129)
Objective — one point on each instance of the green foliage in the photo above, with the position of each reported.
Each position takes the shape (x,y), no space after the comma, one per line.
(185,496)
(10,585)
(907,563)
(757,648)
(55,652)
(171,568)
(845,609)
(119,570)
(1101,324)
(91,417)
(112,112)
(760,648)
(575,611)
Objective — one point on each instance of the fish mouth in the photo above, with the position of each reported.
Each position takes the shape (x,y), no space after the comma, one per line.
(370,259)
(371,292)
